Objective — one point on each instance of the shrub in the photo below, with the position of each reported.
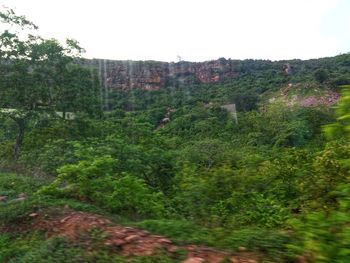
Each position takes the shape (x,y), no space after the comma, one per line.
(132,197)
(96,181)
(325,237)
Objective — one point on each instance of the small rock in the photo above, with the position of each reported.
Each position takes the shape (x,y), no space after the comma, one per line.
(132,238)
(118,242)
(108,221)
(65,219)
(164,240)
(22,195)
(142,233)
(33,214)
(191,248)
(118,235)
(102,222)
(301,259)
(172,249)
(194,260)
(19,199)
(3,198)
(242,249)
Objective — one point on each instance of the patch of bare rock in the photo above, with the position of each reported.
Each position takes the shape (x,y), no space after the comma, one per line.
(129,241)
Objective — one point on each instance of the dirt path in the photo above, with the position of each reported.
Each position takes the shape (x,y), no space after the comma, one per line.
(127,241)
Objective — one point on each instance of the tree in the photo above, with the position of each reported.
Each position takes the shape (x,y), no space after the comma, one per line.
(40,76)
(321,75)
(341,128)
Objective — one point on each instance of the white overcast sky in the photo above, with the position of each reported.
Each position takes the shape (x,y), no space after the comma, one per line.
(196,30)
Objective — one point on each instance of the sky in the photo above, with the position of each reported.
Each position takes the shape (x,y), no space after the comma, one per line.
(194,30)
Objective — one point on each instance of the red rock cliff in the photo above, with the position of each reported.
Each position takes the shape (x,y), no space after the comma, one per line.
(153,75)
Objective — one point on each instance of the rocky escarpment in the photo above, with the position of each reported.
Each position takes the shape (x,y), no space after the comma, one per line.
(154,75)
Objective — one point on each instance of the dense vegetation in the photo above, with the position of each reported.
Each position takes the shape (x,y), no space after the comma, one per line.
(275,182)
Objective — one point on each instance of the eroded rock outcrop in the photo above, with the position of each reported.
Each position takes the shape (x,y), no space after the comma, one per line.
(154,75)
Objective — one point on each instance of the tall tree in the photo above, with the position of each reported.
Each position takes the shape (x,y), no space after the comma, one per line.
(40,75)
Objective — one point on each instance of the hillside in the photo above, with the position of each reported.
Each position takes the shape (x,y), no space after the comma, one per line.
(221,161)
(243,183)
(155,75)
(132,85)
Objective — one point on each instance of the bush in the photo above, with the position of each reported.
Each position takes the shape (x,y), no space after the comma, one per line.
(131,197)
(271,242)
(258,209)
(325,237)
(96,181)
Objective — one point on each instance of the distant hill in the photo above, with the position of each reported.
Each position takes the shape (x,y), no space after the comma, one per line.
(155,75)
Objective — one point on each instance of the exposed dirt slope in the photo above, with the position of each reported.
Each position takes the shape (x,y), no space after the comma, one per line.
(125,240)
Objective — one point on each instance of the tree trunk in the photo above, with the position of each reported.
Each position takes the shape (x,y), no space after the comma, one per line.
(19,138)
(64,114)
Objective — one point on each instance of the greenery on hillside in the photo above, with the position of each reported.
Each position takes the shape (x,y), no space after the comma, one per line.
(276,182)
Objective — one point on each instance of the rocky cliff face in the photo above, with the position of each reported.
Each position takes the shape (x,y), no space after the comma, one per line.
(153,75)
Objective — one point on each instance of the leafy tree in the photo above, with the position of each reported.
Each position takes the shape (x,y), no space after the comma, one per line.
(321,75)
(342,126)
(325,235)
(38,76)
(245,101)
(96,181)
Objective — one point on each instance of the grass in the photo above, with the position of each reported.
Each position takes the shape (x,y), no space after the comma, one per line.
(270,242)
(35,248)
(310,89)
(11,185)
